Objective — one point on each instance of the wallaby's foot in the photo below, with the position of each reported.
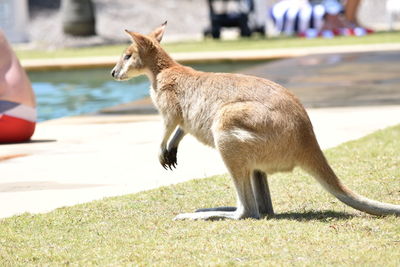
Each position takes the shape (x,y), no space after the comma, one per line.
(214,215)
(269,212)
(168,158)
(217,209)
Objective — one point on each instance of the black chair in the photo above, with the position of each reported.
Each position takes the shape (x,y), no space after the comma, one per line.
(230,19)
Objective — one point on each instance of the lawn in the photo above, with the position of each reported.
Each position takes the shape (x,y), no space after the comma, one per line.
(310,228)
(217,45)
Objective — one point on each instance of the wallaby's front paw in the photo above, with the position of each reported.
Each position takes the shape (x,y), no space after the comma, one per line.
(168,158)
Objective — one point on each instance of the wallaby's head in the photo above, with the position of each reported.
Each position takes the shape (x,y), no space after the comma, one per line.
(133,61)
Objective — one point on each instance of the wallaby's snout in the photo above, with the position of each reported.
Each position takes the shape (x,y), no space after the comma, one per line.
(123,71)
(119,72)
(116,72)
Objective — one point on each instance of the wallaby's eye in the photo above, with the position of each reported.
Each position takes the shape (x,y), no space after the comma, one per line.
(126,57)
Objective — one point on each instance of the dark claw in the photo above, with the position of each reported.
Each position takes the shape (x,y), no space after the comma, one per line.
(170,160)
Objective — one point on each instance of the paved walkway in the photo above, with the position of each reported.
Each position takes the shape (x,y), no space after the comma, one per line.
(79,159)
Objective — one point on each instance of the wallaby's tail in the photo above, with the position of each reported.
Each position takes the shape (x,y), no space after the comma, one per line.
(320,169)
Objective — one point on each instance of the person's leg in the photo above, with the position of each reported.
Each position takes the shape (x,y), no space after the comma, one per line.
(332,21)
(14,82)
(351,8)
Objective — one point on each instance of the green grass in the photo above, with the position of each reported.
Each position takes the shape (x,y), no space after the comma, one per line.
(311,228)
(215,45)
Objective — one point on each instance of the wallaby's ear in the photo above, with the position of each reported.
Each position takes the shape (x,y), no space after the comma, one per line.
(136,38)
(129,33)
(159,32)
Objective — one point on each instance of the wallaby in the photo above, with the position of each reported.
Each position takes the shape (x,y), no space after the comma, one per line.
(257,126)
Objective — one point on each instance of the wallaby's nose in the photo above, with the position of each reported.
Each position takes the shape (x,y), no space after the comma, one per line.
(113,73)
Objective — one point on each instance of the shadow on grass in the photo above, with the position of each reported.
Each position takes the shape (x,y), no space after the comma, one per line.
(313,216)
(298,216)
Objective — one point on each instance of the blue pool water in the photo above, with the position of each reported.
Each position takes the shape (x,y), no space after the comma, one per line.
(74,92)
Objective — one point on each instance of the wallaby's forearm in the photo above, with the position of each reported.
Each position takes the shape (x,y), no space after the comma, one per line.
(176,139)
(164,157)
(169,126)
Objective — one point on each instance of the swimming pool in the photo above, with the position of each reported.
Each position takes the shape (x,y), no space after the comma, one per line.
(75,92)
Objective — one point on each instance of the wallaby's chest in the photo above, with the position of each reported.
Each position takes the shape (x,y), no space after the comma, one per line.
(193,111)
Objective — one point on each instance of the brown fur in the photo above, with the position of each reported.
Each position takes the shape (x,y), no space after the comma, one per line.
(256,125)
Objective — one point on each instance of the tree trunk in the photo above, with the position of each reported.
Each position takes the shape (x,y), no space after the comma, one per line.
(78,17)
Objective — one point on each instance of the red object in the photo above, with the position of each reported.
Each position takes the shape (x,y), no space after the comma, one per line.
(369,31)
(15,130)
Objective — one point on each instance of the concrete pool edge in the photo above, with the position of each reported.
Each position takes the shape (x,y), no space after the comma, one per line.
(207,57)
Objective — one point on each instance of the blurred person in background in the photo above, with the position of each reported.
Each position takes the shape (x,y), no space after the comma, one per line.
(17,99)
(341,16)
(312,18)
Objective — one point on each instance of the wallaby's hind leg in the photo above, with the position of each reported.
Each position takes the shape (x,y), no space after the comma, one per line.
(261,193)
(247,206)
